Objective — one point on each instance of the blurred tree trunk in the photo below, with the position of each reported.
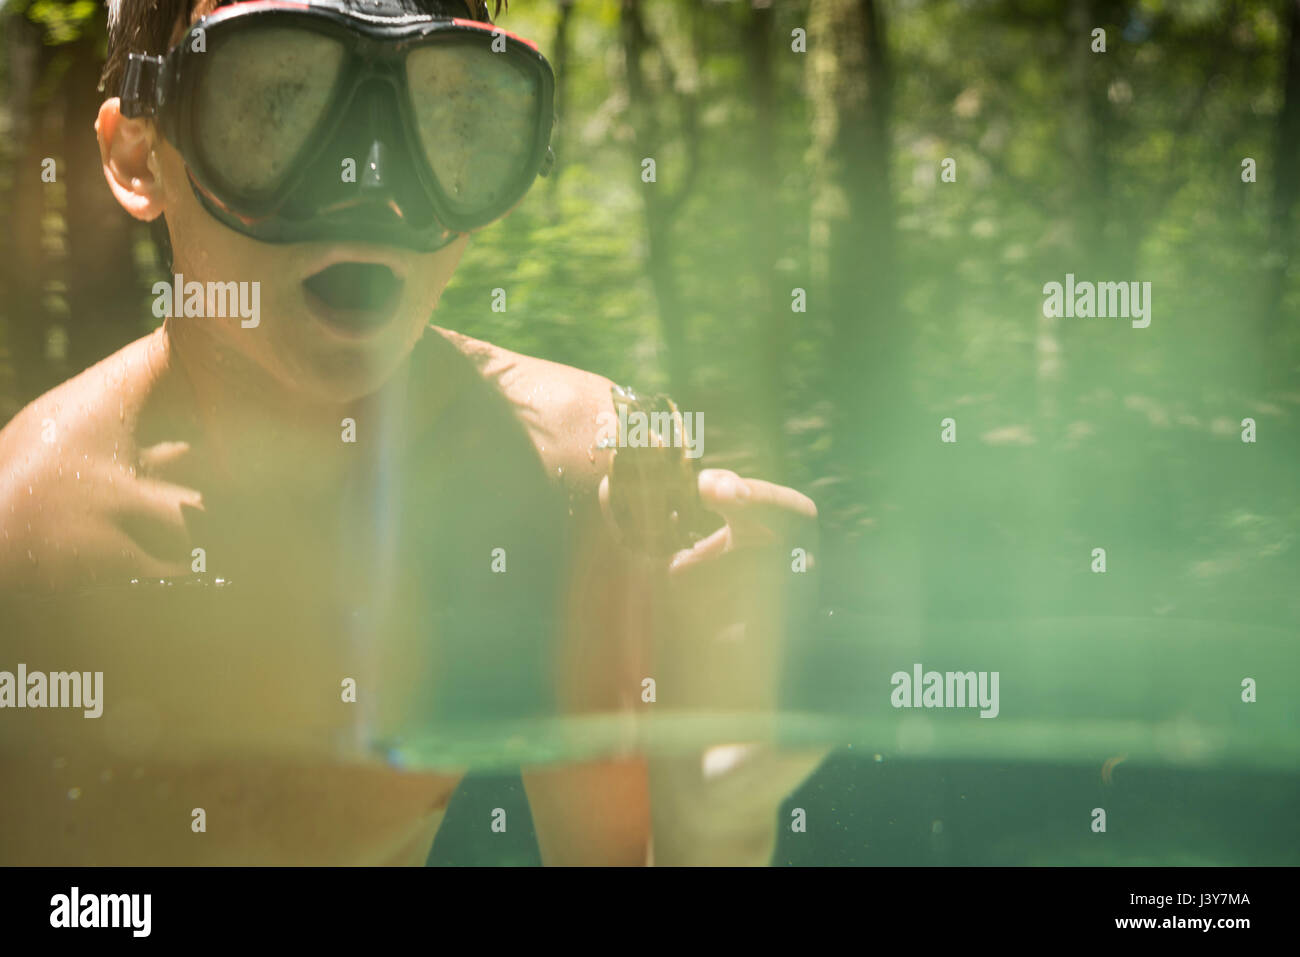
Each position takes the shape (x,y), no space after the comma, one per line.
(1286,184)
(661,202)
(1083,132)
(560,50)
(103,293)
(22,253)
(854,238)
(767,384)
(71,285)
(1086,131)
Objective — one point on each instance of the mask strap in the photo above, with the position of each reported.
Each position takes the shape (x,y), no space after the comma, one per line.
(162,241)
(139,96)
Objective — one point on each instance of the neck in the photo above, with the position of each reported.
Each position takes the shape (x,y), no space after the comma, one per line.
(260,434)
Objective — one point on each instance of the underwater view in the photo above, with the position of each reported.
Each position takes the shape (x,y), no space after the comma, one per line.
(802,433)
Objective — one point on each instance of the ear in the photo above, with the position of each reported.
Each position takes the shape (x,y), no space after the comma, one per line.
(125,148)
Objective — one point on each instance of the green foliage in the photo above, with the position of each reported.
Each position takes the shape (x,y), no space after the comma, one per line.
(64,22)
(1124,165)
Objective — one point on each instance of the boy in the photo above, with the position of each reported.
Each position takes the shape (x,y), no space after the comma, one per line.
(346,479)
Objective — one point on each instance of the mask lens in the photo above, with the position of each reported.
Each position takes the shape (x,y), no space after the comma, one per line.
(261,95)
(476,114)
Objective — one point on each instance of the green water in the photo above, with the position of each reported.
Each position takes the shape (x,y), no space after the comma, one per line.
(864,811)
(1164,692)
(1124,690)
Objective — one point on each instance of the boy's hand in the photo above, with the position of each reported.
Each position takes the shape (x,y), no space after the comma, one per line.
(732,605)
(738,597)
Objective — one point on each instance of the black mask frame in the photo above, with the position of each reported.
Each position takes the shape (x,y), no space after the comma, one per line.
(411,209)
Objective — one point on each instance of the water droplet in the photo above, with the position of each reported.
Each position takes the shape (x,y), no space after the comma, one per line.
(31,557)
(74,793)
(60,471)
(29,490)
(559,470)
(78,476)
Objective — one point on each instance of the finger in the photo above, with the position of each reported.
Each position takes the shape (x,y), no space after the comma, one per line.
(752,506)
(707,548)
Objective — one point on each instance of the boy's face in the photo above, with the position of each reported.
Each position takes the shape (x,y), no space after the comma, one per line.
(313,336)
(306,343)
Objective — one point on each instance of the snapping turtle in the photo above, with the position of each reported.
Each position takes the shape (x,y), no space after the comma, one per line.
(653,486)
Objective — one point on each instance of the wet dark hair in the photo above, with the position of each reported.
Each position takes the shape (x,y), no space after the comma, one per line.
(148,26)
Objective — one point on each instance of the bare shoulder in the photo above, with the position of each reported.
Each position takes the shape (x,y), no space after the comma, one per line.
(562,407)
(68,473)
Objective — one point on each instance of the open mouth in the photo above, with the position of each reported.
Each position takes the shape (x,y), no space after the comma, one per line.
(354,297)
